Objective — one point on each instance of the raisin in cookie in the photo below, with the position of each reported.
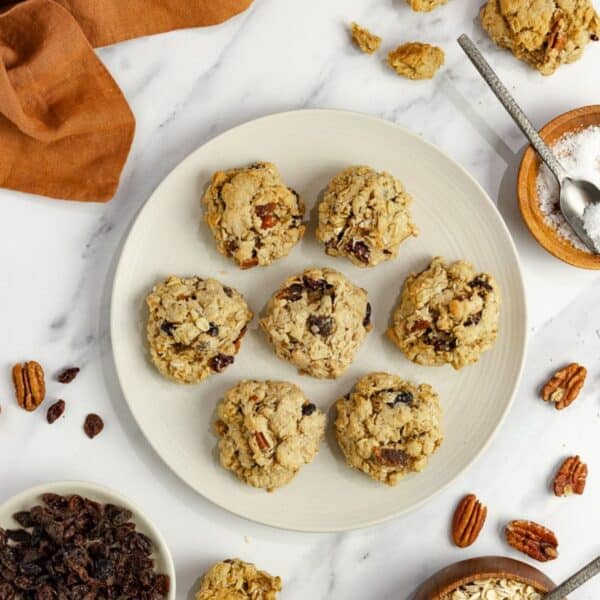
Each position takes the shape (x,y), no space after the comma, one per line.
(425,5)
(365,216)
(446,314)
(255,218)
(195,327)
(235,579)
(317,321)
(366,41)
(268,430)
(543,33)
(388,427)
(416,60)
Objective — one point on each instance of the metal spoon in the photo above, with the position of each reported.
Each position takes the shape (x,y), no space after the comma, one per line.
(575,194)
(575,581)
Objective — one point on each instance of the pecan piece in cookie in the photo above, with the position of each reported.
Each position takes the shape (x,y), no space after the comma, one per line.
(571,477)
(533,539)
(30,386)
(564,386)
(468,521)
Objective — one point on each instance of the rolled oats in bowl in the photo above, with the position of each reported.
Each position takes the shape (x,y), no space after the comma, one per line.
(495,589)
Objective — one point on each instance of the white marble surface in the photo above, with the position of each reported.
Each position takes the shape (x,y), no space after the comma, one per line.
(58,260)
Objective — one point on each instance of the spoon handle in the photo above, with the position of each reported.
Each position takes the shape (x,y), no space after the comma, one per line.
(511,106)
(575,581)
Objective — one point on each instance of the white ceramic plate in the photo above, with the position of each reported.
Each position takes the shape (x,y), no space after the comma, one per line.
(32,496)
(457,220)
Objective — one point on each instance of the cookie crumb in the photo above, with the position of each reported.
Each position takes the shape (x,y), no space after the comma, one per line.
(366,41)
(416,60)
(425,5)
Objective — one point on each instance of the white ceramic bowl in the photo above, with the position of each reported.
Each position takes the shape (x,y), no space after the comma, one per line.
(32,496)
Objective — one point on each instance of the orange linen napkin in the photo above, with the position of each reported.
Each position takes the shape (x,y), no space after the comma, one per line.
(65,126)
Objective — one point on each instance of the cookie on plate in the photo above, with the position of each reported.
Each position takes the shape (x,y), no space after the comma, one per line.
(365,216)
(425,5)
(543,33)
(416,60)
(317,321)
(234,579)
(366,41)
(267,431)
(195,327)
(447,313)
(255,218)
(388,427)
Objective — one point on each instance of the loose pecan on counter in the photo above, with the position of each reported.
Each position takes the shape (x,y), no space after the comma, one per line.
(571,477)
(533,539)
(565,385)
(30,386)
(468,521)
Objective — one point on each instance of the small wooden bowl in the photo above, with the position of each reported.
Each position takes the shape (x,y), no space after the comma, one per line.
(547,237)
(486,567)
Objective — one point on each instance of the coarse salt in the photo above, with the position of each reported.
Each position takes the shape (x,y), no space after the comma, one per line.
(579,154)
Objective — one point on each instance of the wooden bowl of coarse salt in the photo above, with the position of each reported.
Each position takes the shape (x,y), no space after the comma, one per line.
(480,577)
(575,138)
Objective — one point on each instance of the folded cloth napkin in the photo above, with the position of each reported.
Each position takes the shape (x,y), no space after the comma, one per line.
(65,126)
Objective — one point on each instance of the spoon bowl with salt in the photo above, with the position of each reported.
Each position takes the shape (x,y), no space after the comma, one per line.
(579,199)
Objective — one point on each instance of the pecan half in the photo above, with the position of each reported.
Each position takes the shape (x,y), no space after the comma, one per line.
(30,387)
(565,385)
(571,477)
(532,539)
(468,521)
(262,441)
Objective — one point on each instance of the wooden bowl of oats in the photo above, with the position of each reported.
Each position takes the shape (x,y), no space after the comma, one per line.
(575,138)
(475,577)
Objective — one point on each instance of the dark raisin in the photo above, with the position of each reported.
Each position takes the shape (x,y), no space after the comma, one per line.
(292,293)
(391,457)
(228,291)
(93,425)
(441,342)
(55,411)
(367,319)
(67,375)
(167,327)
(360,250)
(308,409)
(480,282)
(319,325)
(18,535)
(219,362)
(402,397)
(593,37)
(213,330)
(24,519)
(473,319)
(162,585)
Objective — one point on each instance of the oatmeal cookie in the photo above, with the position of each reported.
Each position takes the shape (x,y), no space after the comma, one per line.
(255,218)
(365,216)
(388,427)
(317,321)
(234,579)
(543,33)
(267,431)
(416,60)
(366,41)
(195,327)
(425,5)
(446,314)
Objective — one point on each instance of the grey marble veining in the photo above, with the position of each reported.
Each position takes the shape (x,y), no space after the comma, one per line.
(185,87)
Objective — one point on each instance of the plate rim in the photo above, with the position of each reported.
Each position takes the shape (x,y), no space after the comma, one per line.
(363,524)
(83,487)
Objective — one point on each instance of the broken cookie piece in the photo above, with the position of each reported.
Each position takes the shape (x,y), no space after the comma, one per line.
(425,5)
(543,33)
(416,60)
(366,41)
